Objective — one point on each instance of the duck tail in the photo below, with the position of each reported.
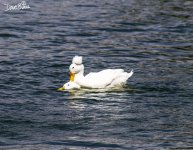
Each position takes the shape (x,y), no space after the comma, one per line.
(130,74)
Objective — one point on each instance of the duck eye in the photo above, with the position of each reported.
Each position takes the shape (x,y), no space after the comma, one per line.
(72,67)
(68,84)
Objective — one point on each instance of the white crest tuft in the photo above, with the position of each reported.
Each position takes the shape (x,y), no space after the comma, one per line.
(77,60)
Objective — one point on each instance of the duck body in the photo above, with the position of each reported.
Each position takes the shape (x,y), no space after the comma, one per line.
(100,79)
(107,78)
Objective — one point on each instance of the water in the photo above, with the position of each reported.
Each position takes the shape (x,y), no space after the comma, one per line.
(154,111)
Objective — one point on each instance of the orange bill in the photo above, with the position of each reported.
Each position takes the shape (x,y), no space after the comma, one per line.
(72,75)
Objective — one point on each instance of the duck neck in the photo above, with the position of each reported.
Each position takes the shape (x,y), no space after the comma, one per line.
(79,77)
(80,74)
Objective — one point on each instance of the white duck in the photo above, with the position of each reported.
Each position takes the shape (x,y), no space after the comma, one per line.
(104,79)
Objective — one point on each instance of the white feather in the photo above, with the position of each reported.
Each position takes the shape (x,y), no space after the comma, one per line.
(77,60)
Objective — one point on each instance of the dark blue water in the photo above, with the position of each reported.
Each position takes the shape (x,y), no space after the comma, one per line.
(154,111)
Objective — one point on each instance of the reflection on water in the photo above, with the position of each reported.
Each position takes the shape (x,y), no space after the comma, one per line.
(76,105)
(97,94)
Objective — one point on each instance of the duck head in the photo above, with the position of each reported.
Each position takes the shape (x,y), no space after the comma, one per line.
(69,86)
(75,69)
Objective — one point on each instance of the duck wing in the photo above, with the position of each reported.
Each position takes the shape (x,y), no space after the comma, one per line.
(101,79)
(121,79)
